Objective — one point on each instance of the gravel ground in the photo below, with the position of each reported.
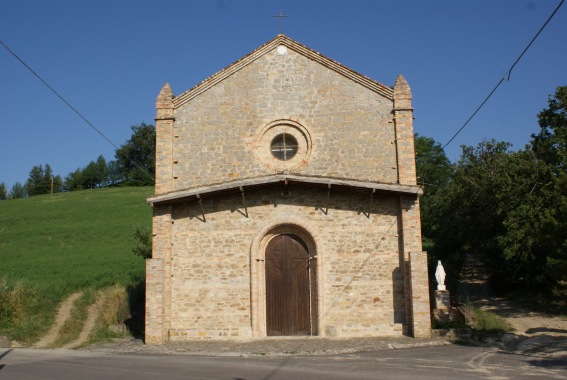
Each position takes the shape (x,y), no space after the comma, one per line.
(267,347)
(540,346)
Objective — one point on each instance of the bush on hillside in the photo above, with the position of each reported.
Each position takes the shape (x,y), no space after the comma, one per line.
(11,301)
(143,247)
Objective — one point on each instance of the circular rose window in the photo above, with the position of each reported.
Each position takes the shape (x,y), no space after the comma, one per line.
(284,145)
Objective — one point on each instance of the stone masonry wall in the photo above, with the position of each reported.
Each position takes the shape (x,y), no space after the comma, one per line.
(205,280)
(360,281)
(351,128)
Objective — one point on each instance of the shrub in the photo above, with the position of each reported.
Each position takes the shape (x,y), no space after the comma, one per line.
(486,321)
(143,237)
(11,302)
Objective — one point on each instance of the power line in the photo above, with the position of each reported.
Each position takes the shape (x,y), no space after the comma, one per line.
(74,109)
(507,76)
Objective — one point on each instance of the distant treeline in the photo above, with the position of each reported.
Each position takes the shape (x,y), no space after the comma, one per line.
(134,165)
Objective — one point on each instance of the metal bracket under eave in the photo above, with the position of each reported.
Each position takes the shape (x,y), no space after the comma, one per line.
(202,209)
(328,197)
(244,201)
(371,203)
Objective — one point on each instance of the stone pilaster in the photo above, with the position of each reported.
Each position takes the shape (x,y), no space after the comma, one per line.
(410,242)
(411,224)
(157,268)
(415,261)
(158,294)
(403,119)
(164,141)
(154,333)
(419,282)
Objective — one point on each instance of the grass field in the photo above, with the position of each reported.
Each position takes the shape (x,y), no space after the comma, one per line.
(53,245)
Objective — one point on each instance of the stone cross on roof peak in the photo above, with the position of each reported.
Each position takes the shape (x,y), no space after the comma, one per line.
(281,16)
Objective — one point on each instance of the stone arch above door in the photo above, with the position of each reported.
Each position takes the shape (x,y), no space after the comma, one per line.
(258,275)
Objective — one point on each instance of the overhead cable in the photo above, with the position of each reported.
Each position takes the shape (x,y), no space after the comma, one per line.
(507,76)
(74,109)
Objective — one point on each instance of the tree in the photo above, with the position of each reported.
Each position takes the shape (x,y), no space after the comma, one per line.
(507,208)
(549,147)
(550,144)
(491,209)
(114,177)
(433,170)
(102,172)
(39,180)
(42,181)
(74,180)
(432,165)
(3,191)
(95,174)
(18,191)
(135,160)
(57,184)
(554,232)
(523,204)
(467,209)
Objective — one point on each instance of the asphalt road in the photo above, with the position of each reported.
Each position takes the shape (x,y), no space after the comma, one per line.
(439,362)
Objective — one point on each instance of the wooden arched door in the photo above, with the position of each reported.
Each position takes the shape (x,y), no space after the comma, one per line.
(287,287)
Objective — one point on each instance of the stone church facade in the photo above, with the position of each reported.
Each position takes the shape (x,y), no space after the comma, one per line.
(286,203)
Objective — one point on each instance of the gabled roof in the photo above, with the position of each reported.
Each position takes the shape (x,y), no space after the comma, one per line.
(281,39)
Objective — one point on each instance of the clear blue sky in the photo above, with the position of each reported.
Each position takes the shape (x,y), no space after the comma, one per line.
(110,58)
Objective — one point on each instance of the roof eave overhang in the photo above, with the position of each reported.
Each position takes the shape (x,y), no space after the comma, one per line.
(258,182)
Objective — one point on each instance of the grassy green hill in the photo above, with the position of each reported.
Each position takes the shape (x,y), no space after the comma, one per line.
(53,245)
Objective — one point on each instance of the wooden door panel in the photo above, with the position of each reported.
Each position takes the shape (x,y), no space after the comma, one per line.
(275,297)
(276,268)
(287,287)
(297,266)
(300,300)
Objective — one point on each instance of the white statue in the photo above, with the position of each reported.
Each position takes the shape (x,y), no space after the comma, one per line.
(440,276)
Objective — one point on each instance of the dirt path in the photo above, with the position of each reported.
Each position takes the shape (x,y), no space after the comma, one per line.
(89,325)
(527,323)
(62,315)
